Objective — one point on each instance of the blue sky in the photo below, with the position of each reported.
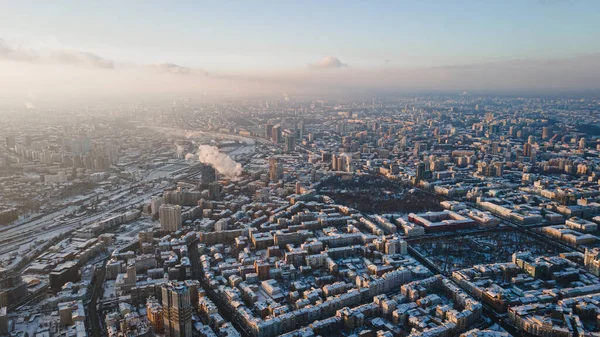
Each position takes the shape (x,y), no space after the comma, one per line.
(271,35)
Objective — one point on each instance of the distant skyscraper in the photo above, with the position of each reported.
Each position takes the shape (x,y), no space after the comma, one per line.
(420,171)
(403,142)
(214,191)
(301,129)
(208,175)
(341,127)
(275,169)
(177,310)
(170,217)
(495,150)
(533,156)
(498,169)
(276,134)
(373,103)
(10,142)
(546,133)
(508,152)
(290,143)
(526,149)
(268,131)
(334,162)
(582,144)
(419,147)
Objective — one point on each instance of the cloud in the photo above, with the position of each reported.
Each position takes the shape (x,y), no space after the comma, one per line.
(559,75)
(56,72)
(328,62)
(17,54)
(77,57)
(172,68)
(60,56)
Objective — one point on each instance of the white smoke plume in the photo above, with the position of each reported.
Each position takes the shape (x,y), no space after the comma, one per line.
(223,163)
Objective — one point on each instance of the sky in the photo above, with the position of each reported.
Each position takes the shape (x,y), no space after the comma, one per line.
(298,44)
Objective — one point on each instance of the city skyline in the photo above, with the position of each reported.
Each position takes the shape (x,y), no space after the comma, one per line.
(399,216)
(300,168)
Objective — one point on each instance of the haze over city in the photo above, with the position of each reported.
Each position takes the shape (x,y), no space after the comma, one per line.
(74,48)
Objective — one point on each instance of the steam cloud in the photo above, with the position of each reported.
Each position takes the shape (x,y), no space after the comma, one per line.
(223,163)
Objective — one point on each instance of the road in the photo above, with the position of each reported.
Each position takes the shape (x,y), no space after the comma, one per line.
(94,324)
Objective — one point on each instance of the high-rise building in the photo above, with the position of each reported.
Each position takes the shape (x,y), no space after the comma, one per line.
(334,162)
(154,311)
(268,131)
(341,127)
(346,164)
(177,310)
(420,171)
(276,134)
(146,236)
(146,241)
(170,217)
(373,107)
(546,133)
(3,321)
(301,129)
(290,143)
(498,168)
(495,148)
(527,150)
(155,205)
(214,191)
(10,142)
(208,175)
(582,144)
(508,152)
(12,289)
(419,147)
(494,129)
(130,275)
(275,169)
(403,142)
